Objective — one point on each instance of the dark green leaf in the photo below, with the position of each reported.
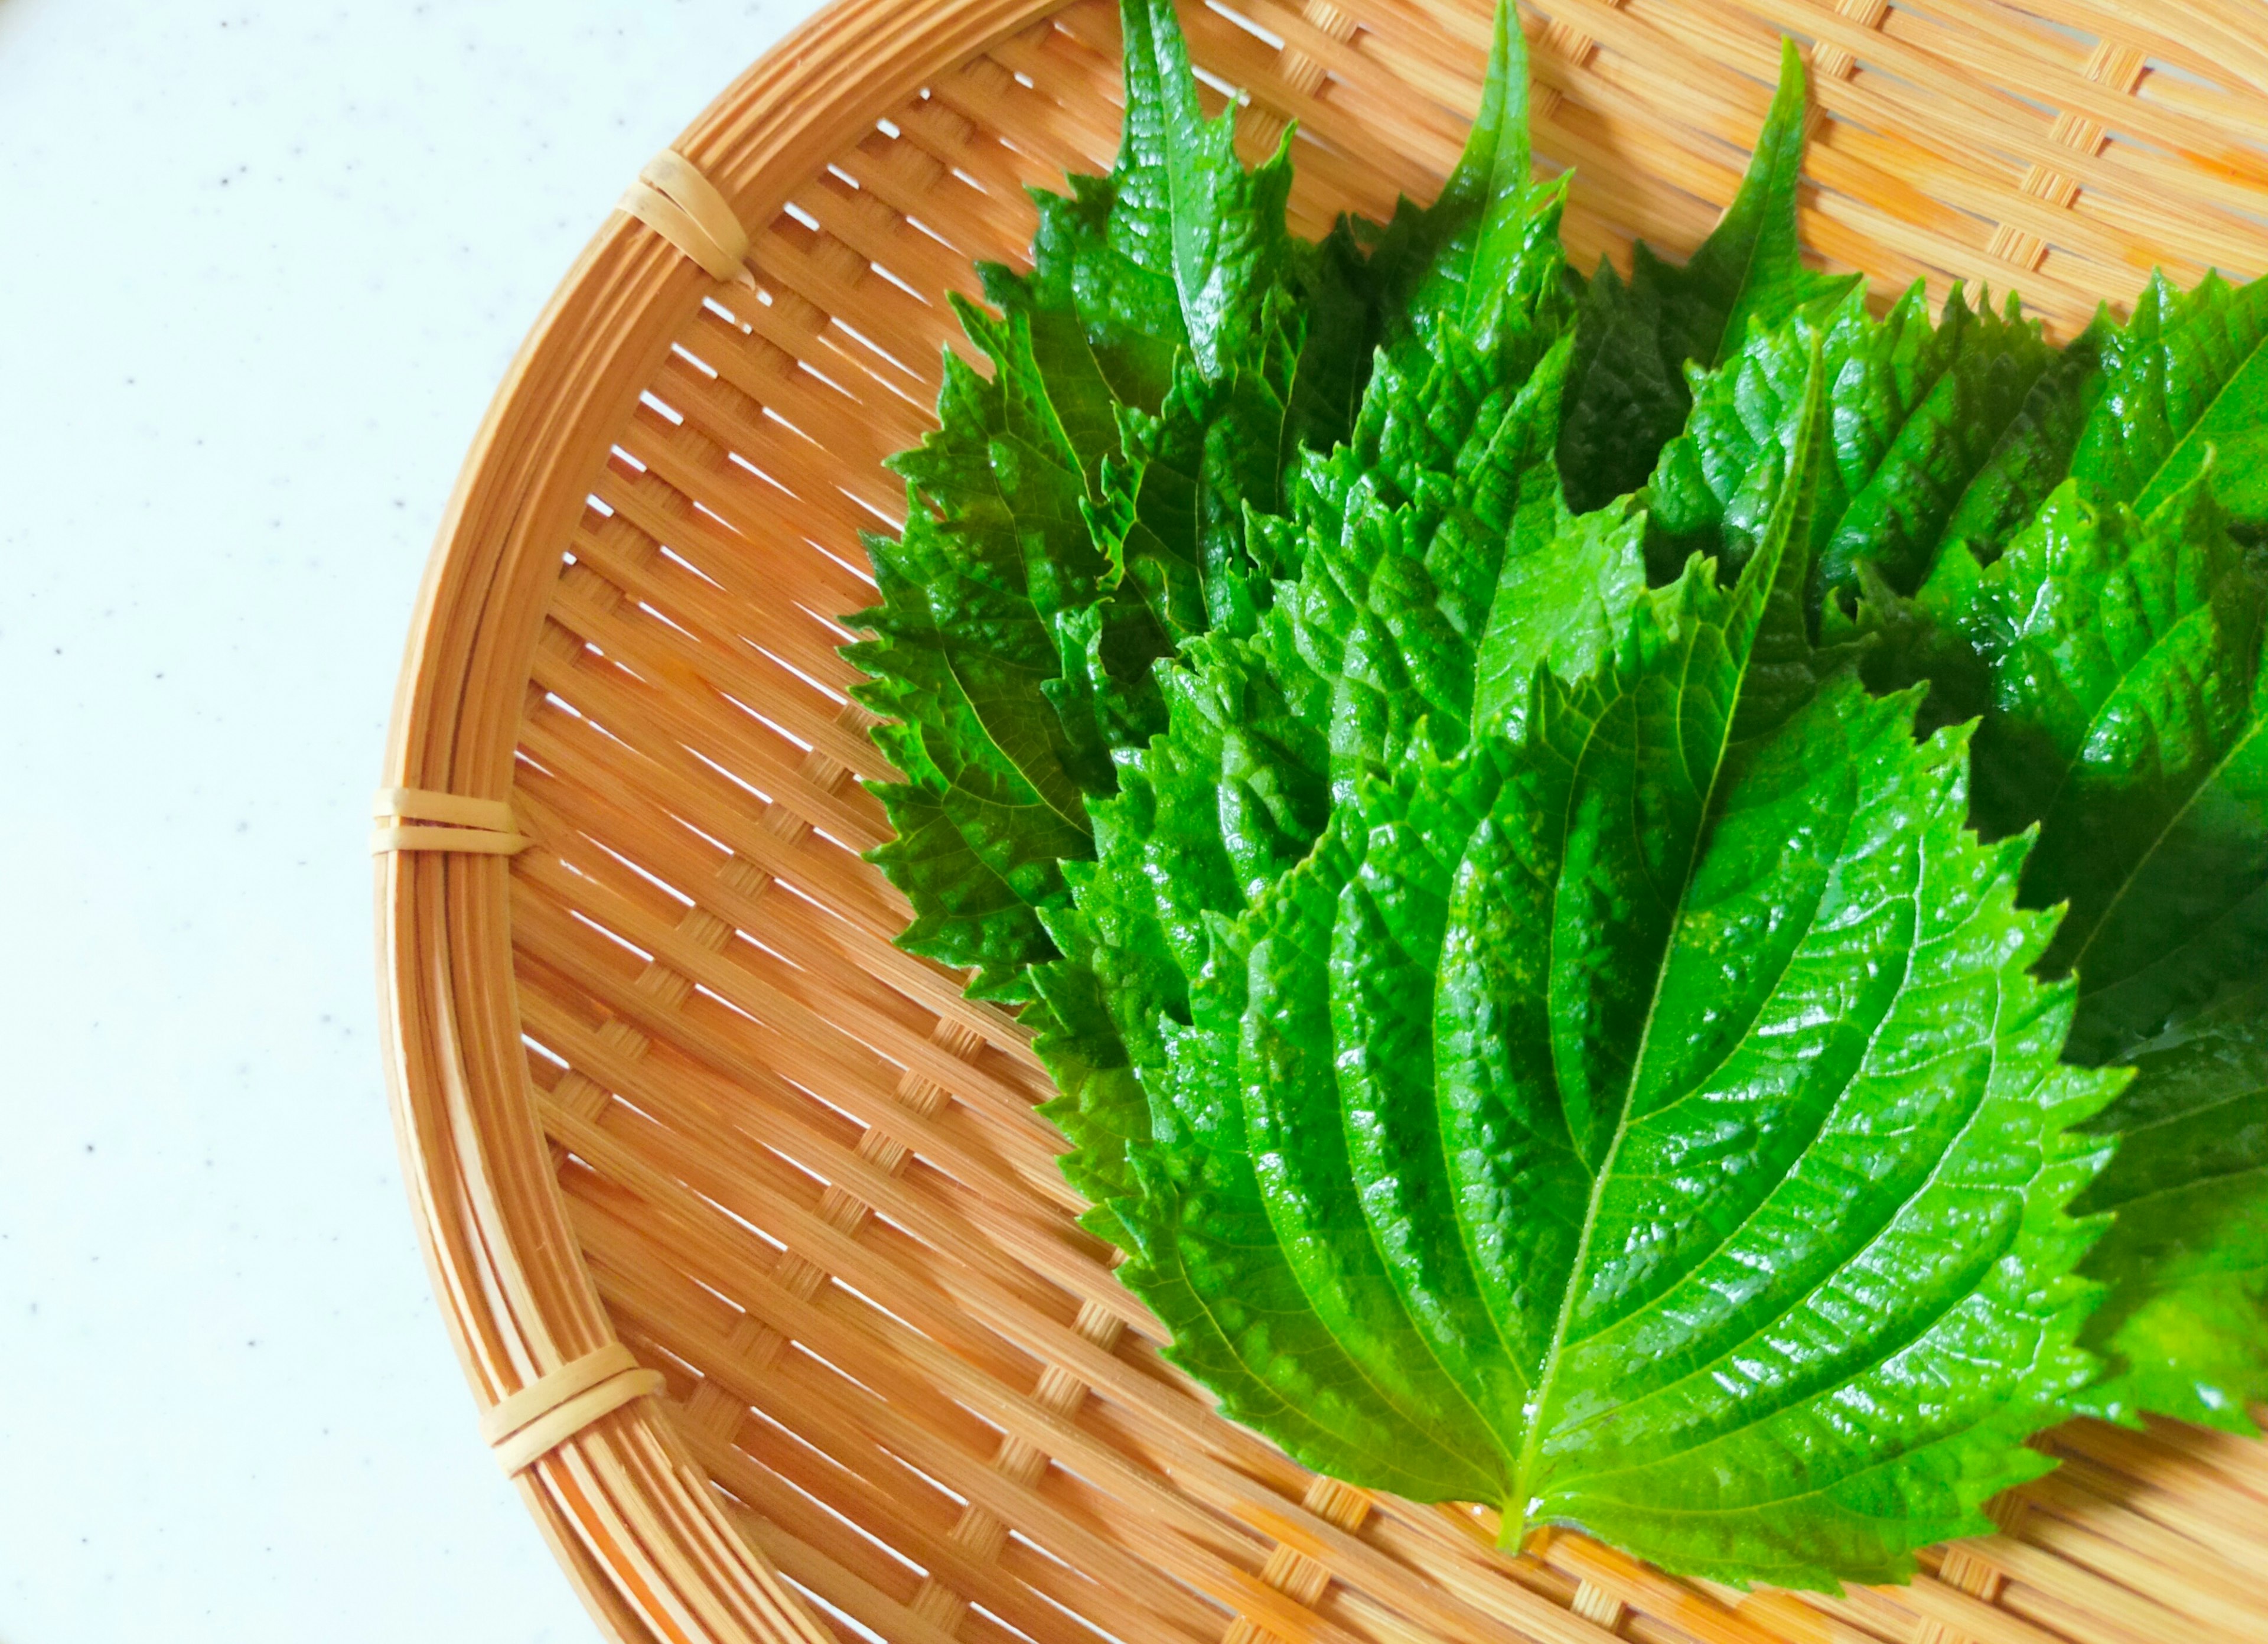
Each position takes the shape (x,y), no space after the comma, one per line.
(1080,513)
(967,916)
(2034,453)
(2186,1261)
(2115,658)
(1342,311)
(2128,720)
(993,547)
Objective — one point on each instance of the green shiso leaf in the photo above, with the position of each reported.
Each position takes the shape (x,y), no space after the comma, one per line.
(2096,602)
(1449,460)
(1660,1131)
(961,650)
(2127,720)
(2185,1324)
(2119,662)
(2129,411)
(1439,536)
(1630,394)
(1437,561)
(2188,373)
(1079,513)
(1478,239)
(2114,654)
(1917,410)
(1186,211)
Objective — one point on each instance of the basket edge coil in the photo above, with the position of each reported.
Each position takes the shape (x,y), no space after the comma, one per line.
(630,1517)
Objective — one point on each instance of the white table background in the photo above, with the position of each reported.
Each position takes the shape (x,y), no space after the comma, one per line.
(264,265)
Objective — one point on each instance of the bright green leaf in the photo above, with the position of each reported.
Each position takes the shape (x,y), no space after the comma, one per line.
(1185,206)
(1646,1052)
(2189,374)
(1453,438)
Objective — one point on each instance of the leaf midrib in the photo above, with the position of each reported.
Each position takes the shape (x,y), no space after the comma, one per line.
(1077,819)
(1750,605)
(2259,350)
(1547,1381)
(1740,286)
(1700,1082)
(1090,486)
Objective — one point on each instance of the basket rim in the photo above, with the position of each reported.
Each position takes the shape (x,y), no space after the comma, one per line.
(628,1516)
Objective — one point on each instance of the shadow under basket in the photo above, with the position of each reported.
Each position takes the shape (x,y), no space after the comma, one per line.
(756,1253)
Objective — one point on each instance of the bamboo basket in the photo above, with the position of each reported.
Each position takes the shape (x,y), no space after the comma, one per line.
(756,1257)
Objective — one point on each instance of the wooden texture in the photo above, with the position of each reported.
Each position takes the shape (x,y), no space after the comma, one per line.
(660,1077)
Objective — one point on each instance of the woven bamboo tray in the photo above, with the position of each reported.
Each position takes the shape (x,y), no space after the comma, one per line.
(757,1258)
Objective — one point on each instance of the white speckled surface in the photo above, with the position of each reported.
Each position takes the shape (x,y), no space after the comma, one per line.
(263,266)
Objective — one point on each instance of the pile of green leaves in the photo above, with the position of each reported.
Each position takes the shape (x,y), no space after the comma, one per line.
(1645,896)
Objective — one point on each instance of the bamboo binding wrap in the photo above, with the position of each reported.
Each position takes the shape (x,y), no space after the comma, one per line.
(666,1097)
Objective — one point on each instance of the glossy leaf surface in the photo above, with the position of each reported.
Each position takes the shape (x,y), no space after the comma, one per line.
(1647,1123)
(1388,563)
(1915,409)
(1079,513)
